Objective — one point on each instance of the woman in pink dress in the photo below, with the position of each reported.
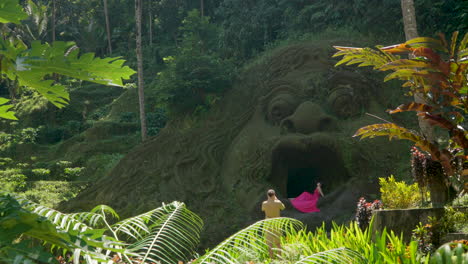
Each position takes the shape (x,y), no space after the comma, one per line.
(307,202)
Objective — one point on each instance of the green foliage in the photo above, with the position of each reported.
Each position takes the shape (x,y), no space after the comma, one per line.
(399,195)
(197,74)
(12,180)
(447,254)
(454,220)
(424,235)
(8,142)
(374,248)
(461,200)
(11,12)
(438,72)
(18,221)
(168,234)
(40,173)
(189,81)
(32,66)
(51,193)
(73,173)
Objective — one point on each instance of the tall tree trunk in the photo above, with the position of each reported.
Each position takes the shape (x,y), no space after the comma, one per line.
(439,191)
(202,8)
(141,94)
(409,19)
(106,15)
(411,31)
(53,20)
(150,26)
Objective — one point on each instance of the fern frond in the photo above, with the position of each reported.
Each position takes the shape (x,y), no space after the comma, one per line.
(337,255)
(167,234)
(250,239)
(362,57)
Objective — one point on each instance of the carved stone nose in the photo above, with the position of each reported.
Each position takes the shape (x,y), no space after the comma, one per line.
(308,118)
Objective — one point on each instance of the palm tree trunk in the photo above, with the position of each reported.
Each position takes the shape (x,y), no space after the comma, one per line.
(106,15)
(141,95)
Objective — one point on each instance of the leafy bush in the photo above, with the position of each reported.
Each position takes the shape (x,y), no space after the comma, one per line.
(461,200)
(364,212)
(51,193)
(50,134)
(197,72)
(5,162)
(19,136)
(399,195)
(40,173)
(155,121)
(73,173)
(455,220)
(12,180)
(450,253)
(128,117)
(424,235)
(189,81)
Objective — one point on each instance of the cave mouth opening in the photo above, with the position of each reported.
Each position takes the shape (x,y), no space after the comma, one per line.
(301,179)
(297,167)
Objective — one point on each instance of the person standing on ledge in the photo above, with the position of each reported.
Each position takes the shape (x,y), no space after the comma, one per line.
(272,208)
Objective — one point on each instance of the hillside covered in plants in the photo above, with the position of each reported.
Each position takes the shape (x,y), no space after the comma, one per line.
(150,131)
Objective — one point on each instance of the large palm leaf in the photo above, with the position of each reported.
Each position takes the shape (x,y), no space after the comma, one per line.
(167,234)
(250,240)
(337,255)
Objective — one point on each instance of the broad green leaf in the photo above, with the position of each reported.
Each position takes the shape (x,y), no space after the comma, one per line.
(427,42)
(404,63)
(62,58)
(11,12)
(464,42)
(453,43)
(55,93)
(5,110)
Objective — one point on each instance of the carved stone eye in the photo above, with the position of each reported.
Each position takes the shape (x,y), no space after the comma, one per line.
(280,107)
(344,102)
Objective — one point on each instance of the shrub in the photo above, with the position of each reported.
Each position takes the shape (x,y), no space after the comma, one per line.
(364,212)
(424,235)
(399,195)
(42,174)
(73,173)
(51,193)
(12,180)
(461,201)
(128,117)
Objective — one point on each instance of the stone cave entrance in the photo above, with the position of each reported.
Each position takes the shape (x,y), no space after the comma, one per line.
(300,180)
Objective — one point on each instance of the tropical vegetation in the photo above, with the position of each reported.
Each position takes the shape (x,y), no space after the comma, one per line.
(57,56)
(170,233)
(438,72)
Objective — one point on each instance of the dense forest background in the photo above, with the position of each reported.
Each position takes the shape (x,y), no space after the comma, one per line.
(192,52)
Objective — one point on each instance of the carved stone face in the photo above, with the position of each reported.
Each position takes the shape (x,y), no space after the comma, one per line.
(286,124)
(290,141)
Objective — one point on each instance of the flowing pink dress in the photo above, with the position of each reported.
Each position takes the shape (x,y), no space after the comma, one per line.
(307,202)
